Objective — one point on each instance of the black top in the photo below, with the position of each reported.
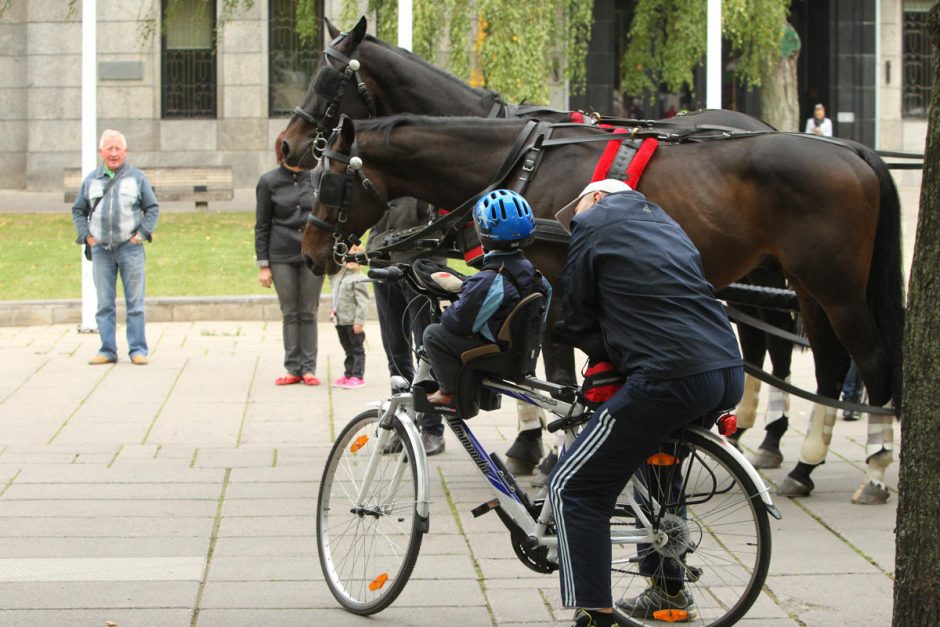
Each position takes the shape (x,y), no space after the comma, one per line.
(404,213)
(285,198)
(634,273)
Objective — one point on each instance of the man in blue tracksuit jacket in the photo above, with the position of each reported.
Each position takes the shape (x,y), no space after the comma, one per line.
(633,273)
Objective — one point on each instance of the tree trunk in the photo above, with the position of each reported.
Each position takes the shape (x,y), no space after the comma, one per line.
(779,100)
(917,569)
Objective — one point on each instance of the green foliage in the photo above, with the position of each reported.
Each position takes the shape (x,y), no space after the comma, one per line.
(518,47)
(667,41)
(308,22)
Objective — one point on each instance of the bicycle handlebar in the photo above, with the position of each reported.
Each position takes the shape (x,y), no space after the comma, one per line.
(392,274)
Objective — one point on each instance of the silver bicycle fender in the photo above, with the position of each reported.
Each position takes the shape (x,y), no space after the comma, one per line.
(421,464)
(762,488)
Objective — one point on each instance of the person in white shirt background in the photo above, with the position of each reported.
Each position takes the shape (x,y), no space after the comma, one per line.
(819,124)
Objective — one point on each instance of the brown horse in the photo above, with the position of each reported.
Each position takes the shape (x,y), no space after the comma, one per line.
(392,80)
(814,206)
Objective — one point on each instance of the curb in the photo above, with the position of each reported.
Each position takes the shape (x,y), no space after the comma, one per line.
(164,309)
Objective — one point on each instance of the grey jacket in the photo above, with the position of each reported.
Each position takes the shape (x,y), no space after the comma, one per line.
(350,297)
(130,207)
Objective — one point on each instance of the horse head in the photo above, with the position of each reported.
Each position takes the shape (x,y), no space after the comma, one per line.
(337,87)
(342,184)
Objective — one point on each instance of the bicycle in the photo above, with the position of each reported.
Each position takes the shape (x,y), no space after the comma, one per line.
(697,506)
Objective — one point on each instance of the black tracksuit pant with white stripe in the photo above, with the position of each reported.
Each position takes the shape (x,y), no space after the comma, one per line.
(591,474)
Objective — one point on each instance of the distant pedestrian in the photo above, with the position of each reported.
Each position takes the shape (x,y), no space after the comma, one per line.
(285,197)
(819,124)
(114,213)
(350,307)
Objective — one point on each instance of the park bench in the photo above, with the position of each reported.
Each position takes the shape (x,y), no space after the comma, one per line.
(199,184)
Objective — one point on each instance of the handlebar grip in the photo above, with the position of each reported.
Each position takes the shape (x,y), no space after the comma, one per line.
(386,275)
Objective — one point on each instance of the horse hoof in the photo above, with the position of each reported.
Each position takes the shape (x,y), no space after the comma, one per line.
(792,487)
(766,458)
(870,493)
(526,450)
(519,467)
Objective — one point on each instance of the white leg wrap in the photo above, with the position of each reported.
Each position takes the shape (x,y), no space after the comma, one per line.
(778,405)
(880,438)
(530,416)
(816,443)
(747,408)
(877,464)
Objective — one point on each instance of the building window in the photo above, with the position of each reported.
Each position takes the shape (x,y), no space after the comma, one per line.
(917,61)
(291,63)
(188,66)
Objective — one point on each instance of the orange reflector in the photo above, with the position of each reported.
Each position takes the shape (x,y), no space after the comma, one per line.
(671,616)
(662,459)
(378,582)
(358,443)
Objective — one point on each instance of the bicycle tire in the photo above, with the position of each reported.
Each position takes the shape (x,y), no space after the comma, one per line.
(721,545)
(367,556)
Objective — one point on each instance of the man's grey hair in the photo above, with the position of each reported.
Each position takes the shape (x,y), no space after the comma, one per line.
(112,133)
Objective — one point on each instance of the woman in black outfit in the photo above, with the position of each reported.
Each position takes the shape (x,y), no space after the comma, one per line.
(285,197)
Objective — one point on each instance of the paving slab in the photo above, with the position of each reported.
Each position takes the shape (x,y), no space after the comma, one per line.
(213,476)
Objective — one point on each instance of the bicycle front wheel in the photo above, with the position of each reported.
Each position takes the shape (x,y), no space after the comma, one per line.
(711,551)
(368,529)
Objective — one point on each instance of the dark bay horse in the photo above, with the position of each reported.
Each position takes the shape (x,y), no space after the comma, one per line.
(817,207)
(392,80)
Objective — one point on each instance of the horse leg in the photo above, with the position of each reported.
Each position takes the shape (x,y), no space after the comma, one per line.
(832,362)
(879,453)
(526,451)
(753,349)
(776,421)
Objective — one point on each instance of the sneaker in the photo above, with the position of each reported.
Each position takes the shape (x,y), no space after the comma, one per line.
(433,443)
(655,599)
(354,382)
(341,382)
(590,618)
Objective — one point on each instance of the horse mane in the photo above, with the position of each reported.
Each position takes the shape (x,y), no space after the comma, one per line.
(482,92)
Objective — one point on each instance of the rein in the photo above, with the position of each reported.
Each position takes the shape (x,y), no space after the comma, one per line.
(333,187)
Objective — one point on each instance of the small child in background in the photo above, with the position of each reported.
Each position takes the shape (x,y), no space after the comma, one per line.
(350,305)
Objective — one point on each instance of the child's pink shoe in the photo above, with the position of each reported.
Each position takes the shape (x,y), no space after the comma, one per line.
(342,382)
(354,382)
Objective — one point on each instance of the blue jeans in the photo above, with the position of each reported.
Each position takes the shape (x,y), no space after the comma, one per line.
(128,260)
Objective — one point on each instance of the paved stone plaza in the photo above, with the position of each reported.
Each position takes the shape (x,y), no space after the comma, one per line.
(183,493)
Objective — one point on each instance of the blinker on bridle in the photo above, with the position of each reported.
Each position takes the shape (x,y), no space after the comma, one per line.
(329,84)
(333,190)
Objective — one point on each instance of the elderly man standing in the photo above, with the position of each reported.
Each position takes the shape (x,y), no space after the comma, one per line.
(114,213)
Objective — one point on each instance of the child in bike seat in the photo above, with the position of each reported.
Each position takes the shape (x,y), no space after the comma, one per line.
(504,223)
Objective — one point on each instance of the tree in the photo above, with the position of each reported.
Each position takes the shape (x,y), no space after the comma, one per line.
(666,43)
(917,566)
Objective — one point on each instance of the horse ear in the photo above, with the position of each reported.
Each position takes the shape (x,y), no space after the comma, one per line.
(332,30)
(358,31)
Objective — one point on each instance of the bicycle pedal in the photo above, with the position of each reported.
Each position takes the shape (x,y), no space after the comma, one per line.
(484,508)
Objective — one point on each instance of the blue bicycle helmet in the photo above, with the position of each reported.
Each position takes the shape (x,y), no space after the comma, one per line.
(504,220)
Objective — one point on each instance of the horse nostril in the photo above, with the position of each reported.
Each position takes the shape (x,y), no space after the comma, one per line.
(285,148)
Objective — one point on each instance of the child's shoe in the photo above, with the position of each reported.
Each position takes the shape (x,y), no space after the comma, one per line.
(341,382)
(354,382)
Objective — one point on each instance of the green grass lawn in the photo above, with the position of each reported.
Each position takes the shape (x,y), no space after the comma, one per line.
(193,254)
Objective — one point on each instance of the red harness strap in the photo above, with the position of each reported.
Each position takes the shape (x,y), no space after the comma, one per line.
(638,164)
(607,158)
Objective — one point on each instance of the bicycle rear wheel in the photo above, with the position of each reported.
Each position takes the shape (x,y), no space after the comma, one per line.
(714,538)
(367,551)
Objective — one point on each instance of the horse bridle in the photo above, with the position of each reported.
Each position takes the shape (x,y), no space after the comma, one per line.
(330,84)
(333,190)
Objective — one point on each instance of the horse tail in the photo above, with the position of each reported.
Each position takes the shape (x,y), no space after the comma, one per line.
(885,280)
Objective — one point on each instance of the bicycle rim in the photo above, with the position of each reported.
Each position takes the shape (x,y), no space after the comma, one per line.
(367,553)
(718,549)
